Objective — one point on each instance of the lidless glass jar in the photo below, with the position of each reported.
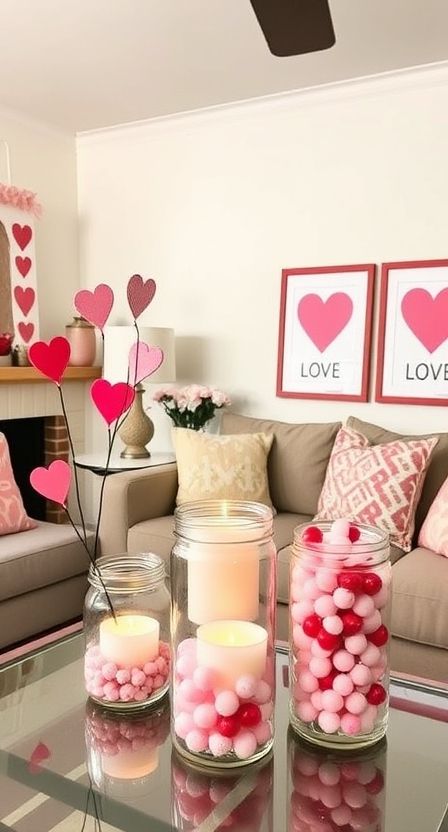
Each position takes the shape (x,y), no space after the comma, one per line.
(339,635)
(126,626)
(223,589)
(331,789)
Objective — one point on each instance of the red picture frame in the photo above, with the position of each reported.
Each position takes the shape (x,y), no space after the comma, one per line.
(369,271)
(386,269)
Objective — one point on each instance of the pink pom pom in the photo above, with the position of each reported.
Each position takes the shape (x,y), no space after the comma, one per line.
(356,703)
(190,692)
(197,740)
(219,745)
(341,527)
(332,701)
(310,589)
(138,677)
(370,656)
(150,669)
(183,724)
(324,606)
(344,599)
(326,580)
(356,644)
(300,638)
(341,816)
(158,682)
(343,684)
(111,691)
(329,722)
(204,678)
(301,610)
(205,716)
(127,692)
(185,665)
(372,622)
(263,692)
(333,624)
(109,671)
(316,700)
(246,686)
(262,732)
(227,703)
(343,661)
(306,711)
(123,676)
(329,774)
(162,666)
(185,646)
(320,667)
(140,696)
(361,675)
(307,681)
(355,795)
(364,606)
(330,796)
(244,744)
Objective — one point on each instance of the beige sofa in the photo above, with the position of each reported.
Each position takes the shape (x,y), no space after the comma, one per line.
(138,517)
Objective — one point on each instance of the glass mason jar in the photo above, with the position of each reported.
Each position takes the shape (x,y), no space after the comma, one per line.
(241,801)
(223,591)
(334,789)
(339,638)
(123,753)
(127,659)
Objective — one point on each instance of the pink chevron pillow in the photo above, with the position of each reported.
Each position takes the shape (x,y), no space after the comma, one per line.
(434,531)
(13,517)
(376,484)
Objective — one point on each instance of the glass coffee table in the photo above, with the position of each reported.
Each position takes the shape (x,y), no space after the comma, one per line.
(66,766)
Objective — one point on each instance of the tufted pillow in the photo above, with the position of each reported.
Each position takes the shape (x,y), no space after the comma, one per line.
(13,517)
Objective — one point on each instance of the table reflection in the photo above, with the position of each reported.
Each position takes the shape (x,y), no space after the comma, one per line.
(203,800)
(336,791)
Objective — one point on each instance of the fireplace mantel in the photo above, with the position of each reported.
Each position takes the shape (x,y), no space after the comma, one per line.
(25,375)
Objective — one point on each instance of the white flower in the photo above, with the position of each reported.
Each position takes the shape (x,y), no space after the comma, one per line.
(219,398)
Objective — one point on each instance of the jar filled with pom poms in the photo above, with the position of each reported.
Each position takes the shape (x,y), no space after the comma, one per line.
(126,627)
(333,789)
(339,633)
(223,579)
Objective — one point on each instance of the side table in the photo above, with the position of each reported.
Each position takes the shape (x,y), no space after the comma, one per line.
(96,462)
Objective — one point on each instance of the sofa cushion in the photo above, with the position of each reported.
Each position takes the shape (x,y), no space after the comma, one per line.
(436,472)
(40,557)
(297,462)
(13,517)
(420,598)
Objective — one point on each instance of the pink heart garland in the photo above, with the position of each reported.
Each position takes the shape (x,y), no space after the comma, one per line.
(25,299)
(324,320)
(95,306)
(22,234)
(51,359)
(23,265)
(53,482)
(140,294)
(144,362)
(111,400)
(26,331)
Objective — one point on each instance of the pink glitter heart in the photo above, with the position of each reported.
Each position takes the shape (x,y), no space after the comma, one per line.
(95,306)
(144,362)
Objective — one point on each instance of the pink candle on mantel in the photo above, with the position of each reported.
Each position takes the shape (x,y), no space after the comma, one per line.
(130,641)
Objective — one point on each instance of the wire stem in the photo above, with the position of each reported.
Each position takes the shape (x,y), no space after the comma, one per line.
(75,470)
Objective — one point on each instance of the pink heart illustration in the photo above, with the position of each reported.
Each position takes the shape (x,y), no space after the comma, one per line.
(25,299)
(322,320)
(23,265)
(95,306)
(53,482)
(140,294)
(111,400)
(22,234)
(26,331)
(426,317)
(144,361)
(51,359)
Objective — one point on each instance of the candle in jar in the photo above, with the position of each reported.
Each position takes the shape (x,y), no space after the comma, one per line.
(232,649)
(130,640)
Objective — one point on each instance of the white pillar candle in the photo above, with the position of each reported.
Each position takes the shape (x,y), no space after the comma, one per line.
(232,649)
(223,571)
(130,640)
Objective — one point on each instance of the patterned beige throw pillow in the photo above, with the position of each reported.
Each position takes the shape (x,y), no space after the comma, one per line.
(214,467)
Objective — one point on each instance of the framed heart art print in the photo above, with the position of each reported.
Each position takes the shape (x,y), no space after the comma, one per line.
(324,332)
(412,365)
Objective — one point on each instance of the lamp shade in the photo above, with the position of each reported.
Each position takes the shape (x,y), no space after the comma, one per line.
(118,340)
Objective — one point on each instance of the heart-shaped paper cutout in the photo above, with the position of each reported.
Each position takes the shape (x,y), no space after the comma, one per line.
(95,306)
(25,299)
(322,320)
(37,757)
(23,265)
(143,361)
(111,400)
(427,317)
(51,359)
(22,234)
(26,331)
(140,294)
(53,482)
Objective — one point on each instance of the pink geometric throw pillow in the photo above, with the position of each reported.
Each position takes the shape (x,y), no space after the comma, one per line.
(13,517)
(434,532)
(375,484)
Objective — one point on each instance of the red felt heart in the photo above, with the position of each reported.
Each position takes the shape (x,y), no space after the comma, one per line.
(25,299)
(140,293)
(95,306)
(144,362)
(26,331)
(111,400)
(51,359)
(324,320)
(53,482)
(427,317)
(38,756)
(23,265)
(22,234)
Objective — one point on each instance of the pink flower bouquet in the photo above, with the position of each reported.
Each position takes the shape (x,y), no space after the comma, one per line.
(192,406)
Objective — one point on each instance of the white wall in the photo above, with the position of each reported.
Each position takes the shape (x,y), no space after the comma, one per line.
(214,204)
(44,160)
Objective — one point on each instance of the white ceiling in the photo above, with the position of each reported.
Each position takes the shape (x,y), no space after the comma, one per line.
(85,64)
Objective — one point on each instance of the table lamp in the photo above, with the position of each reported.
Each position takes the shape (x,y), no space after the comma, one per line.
(137,429)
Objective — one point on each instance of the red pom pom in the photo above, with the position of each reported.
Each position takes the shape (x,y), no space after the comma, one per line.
(312,535)
(249,714)
(379,637)
(352,623)
(327,681)
(311,625)
(354,534)
(351,580)
(228,726)
(372,583)
(328,641)
(377,784)
(376,695)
